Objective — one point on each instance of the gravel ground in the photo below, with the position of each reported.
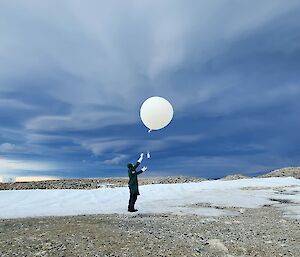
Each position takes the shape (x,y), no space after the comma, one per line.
(253,232)
(94,183)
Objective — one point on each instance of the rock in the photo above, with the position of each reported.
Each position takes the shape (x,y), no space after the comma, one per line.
(241,211)
(217,244)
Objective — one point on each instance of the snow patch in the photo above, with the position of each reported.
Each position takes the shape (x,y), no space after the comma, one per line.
(160,198)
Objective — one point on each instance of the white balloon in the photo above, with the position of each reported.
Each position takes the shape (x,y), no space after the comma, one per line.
(156,113)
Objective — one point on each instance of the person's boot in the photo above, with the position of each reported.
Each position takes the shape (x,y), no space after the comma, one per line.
(131,209)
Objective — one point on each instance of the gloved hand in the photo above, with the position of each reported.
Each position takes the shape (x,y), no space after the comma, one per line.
(144,168)
(141,158)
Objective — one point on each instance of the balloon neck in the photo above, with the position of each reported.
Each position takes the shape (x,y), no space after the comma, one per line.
(149,130)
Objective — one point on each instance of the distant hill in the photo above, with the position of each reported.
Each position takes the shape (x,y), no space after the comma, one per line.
(234,177)
(5,179)
(283,172)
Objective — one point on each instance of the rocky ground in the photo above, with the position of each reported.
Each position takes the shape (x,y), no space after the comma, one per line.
(93,183)
(253,232)
(284,172)
(122,181)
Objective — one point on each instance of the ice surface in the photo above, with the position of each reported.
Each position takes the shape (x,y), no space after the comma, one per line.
(188,198)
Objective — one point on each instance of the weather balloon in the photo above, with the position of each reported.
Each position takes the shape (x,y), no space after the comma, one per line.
(156,113)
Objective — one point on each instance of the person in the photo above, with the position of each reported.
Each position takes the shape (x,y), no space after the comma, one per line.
(133,182)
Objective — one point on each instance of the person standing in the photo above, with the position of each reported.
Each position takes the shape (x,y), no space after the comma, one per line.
(133,182)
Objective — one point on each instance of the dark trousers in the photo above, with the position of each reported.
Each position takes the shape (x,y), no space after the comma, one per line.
(132,200)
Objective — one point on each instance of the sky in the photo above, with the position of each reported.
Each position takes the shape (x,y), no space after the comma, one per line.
(73,75)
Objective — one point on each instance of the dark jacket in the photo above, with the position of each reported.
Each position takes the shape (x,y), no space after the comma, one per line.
(133,180)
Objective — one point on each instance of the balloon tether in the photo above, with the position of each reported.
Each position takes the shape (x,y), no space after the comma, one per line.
(148,153)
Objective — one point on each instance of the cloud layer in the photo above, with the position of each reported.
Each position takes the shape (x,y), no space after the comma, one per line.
(73,77)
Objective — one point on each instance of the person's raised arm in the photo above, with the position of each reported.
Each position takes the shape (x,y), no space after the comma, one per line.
(141,171)
(139,161)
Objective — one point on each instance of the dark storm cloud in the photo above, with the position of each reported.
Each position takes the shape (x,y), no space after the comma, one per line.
(73,76)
